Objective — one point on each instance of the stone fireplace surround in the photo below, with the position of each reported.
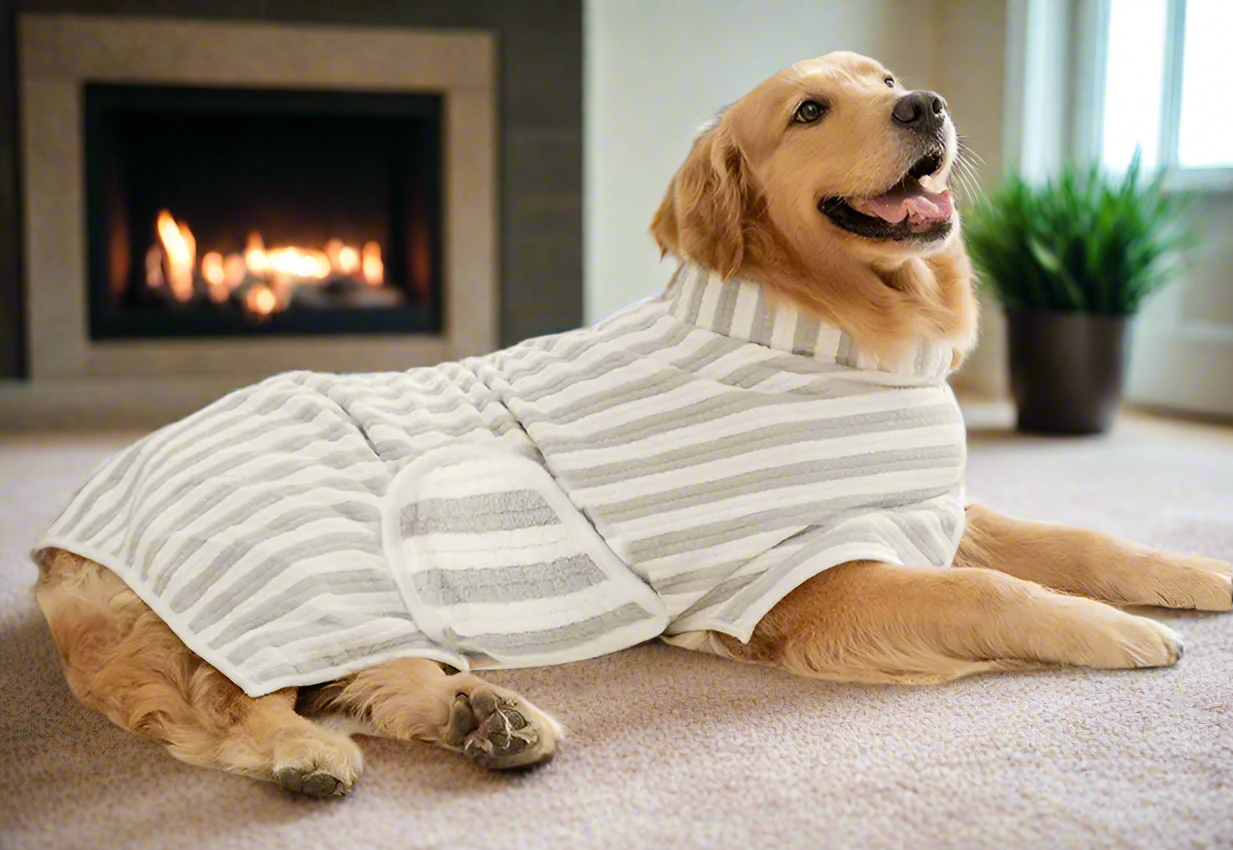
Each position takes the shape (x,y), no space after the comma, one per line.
(73,381)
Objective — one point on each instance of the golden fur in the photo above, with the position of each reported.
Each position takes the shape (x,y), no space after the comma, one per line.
(745,203)
(1020,595)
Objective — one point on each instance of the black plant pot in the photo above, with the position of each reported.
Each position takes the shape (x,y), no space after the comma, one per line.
(1067,369)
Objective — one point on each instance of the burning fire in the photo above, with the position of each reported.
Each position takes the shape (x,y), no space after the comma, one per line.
(261,300)
(180,251)
(262,280)
(374,269)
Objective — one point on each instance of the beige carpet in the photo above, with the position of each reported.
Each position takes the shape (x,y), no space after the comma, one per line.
(674,749)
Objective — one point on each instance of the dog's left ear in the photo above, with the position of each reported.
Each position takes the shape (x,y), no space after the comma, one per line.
(702,217)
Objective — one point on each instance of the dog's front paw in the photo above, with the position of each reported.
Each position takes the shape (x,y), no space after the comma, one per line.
(498,729)
(1143,642)
(1216,592)
(1193,581)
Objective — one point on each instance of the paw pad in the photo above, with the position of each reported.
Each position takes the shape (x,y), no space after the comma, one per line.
(309,781)
(493,732)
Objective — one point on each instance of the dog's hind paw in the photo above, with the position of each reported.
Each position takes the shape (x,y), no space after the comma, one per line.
(321,764)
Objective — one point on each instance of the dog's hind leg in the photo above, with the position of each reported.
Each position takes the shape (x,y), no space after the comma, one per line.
(121,659)
(416,699)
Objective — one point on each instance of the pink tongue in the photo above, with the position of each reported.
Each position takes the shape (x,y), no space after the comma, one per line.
(916,203)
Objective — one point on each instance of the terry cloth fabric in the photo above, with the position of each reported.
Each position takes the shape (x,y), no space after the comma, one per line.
(710,445)
(494,561)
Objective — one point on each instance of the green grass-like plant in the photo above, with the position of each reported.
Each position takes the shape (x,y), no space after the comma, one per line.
(1086,241)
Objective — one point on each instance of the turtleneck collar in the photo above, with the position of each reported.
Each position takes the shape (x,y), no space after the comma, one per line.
(739,309)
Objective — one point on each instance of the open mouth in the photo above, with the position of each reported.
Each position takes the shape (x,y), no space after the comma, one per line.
(905,211)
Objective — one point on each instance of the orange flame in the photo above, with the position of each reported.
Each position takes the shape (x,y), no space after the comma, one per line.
(254,254)
(180,251)
(154,267)
(348,260)
(296,262)
(271,273)
(234,270)
(332,249)
(212,268)
(374,269)
(261,300)
(213,274)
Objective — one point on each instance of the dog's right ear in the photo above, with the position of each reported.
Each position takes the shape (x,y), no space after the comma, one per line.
(702,217)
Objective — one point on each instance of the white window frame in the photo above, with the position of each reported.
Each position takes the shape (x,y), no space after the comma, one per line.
(1087,118)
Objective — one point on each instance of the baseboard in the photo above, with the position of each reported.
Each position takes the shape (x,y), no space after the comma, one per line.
(107,403)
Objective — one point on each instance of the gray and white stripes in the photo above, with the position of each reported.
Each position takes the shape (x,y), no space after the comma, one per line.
(710,446)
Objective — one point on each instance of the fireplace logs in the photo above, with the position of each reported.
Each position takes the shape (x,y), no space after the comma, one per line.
(261,281)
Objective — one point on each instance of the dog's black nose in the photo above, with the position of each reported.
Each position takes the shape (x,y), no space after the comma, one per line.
(923,111)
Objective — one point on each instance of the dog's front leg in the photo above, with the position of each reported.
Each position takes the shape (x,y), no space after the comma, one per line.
(876,622)
(414,699)
(1092,564)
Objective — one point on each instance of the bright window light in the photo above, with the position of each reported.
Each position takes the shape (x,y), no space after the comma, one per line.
(1205,132)
(1134,80)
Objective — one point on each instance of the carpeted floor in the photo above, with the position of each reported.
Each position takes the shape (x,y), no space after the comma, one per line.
(669,748)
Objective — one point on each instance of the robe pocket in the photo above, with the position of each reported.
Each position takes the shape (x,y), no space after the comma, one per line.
(494,561)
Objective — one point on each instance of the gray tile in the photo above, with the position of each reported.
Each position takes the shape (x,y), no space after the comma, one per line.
(548,162)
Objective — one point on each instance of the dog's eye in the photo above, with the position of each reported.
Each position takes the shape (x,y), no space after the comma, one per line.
(890,82)
(808,112)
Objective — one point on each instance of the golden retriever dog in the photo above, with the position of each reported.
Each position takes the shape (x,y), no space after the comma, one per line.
(827,184)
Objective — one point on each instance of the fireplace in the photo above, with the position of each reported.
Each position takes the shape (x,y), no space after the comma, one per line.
(239,211)
(209,202)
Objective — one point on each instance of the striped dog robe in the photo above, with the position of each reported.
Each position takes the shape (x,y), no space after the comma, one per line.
(678,467)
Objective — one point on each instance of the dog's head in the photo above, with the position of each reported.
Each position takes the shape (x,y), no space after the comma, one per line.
(828,168)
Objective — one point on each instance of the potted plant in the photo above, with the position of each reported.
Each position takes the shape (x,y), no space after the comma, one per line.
(1071,261)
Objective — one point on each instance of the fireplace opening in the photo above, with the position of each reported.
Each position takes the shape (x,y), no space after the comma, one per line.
(237,211)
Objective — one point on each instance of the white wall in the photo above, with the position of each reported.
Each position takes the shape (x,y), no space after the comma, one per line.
(658,69)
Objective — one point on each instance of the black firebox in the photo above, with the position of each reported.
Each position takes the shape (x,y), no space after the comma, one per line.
(237,211)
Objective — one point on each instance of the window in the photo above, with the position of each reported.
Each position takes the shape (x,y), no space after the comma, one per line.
(1161,84)
(1205,129)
